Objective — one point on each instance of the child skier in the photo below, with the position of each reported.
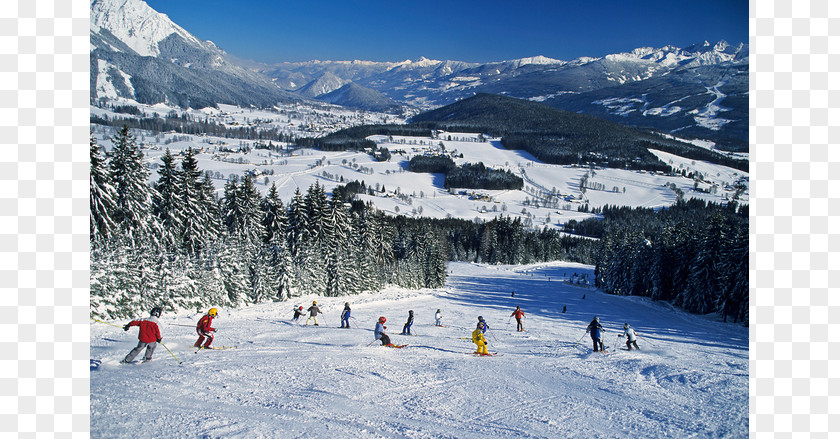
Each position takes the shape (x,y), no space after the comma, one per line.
(298,312)
(148,337)
(519,314)
(438,317)
(483,324)
(595,329)
(205,329)
(407,327)
(379,332)
(630,333)
(345,316)
(479,340)
(313,313)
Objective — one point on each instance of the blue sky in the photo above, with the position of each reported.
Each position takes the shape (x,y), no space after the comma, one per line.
(474,31)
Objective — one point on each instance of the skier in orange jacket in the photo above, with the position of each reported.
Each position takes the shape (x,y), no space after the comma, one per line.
(519,314)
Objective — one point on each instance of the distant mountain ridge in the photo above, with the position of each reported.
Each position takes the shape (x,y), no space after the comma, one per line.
(697,91)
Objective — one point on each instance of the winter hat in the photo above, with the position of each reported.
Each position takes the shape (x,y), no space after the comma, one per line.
(626,325)
(597,319)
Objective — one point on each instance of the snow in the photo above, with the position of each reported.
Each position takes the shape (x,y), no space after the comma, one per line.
(136,24)
(690,378)
(423,194)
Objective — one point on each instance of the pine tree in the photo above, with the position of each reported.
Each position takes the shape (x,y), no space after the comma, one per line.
(134,200)
(195,212)
(102,199)
(165,202)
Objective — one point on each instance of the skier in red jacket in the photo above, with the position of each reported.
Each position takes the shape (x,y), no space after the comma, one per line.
(149,336)
(204,329)
(519,314)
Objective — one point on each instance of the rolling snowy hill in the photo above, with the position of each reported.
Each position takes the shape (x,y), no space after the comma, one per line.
(283,379)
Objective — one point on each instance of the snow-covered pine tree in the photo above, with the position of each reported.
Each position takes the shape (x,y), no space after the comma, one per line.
(166,203)
(128,174)
(703,285)
(195,214)
(102,199)
(342,277)
(296,223)
(250,221)
(274,219)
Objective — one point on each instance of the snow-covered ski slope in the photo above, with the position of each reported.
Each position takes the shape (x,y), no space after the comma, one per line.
(285,380)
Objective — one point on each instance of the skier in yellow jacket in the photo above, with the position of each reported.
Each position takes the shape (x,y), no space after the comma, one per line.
(480,342)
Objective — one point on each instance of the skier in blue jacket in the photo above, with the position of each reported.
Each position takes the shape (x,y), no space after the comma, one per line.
(595,329)
(483,324)
(407,327)
(345,316)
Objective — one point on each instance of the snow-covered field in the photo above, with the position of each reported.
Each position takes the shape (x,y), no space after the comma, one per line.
(551,196)
(285,380)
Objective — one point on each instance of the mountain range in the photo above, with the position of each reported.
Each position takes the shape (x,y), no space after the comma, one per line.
(698,91)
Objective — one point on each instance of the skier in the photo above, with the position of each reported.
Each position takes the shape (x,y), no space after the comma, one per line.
(479,340)
(298,312)
(519,314)
(630,333)
(313,313)
(379,332)
(148,337)
(595,329)
(438,317)
(407,327)
(345,316)
(484,326)
(205,330)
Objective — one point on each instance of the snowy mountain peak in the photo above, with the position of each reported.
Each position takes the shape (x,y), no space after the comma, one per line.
(136,24)
(536,60)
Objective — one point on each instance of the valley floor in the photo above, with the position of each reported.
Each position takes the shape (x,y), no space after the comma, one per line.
(287,380)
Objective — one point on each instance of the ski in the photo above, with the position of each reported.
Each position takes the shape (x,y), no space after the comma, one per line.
(218,348)
(396,346)
(489,354)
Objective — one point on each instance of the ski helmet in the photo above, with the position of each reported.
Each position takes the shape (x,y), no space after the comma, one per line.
(314,302)
(480,319)
(346,303)
(626,325)
(156,311)
(381,319)
(300,307)
(597,319)
(213,312)
(438,310)
(410,312)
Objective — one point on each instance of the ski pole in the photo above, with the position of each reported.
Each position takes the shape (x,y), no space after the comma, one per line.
(100,321)
(645,340)
(173,355)
(581,338)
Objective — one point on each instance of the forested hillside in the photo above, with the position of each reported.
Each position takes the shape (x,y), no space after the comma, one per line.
(693,254)
(551,135)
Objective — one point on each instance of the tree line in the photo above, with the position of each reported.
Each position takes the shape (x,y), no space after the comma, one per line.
(176,244)
(694,254)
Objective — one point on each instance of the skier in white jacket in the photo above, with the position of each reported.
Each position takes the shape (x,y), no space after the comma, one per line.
(438,317)
(630,333)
